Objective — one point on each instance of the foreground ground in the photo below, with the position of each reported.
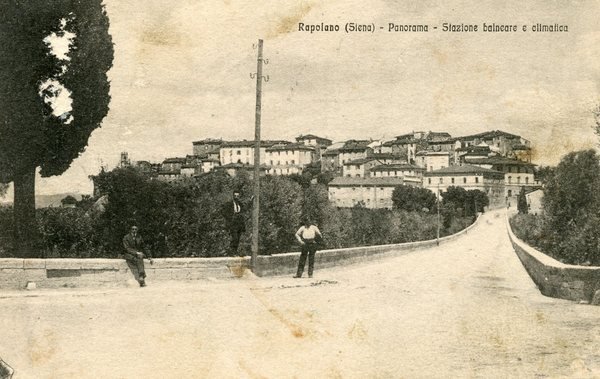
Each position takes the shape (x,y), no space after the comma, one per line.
(465,309)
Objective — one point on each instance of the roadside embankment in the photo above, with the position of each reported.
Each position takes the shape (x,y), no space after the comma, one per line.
(554,278)
(75,273)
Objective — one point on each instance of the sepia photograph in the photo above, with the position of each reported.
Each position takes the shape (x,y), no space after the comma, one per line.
(299,189)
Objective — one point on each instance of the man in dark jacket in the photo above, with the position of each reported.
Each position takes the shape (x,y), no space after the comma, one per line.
(233,212)
(134,244)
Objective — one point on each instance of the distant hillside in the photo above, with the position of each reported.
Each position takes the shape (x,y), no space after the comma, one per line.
(43,201)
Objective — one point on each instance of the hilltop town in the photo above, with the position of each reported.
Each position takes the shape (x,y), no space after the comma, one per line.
(367,171)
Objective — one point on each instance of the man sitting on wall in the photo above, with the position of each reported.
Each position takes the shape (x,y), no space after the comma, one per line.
(134,244)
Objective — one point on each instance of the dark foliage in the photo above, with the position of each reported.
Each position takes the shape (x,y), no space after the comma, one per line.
(569,228)
(465,202)
(31,135)
(522,202)
(184,218)
(412,199)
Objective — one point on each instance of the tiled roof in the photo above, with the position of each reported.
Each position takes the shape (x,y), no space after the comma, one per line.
(245,143)
(359,161)
(490,134)
(396,167)
(499,161)
(331,152)
(474,148)
(208,141)
(241,166)
(311,136)
(464,169)
(385,156)
(355,146)
(355,182)
(290,146)
(429,152)
(174,160)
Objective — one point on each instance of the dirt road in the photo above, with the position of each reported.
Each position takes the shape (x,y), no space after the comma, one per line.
(464,310)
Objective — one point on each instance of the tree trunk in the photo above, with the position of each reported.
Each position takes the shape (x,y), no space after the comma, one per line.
(25,228)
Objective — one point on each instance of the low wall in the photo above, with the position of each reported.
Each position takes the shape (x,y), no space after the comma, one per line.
(286,264)
(556,279)
(62,272)
(56,273)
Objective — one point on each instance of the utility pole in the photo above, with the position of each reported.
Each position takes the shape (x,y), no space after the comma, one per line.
(256,197)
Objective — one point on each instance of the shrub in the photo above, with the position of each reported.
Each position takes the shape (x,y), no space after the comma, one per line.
(187,215)
(411,198)
(522,202)
(68,233)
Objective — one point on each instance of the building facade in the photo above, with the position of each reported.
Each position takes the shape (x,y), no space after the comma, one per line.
(369,192)
(517,174)
(469,177)
(288,159)
(243,151)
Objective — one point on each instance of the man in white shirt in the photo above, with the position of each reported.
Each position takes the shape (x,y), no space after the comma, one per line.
(307,236)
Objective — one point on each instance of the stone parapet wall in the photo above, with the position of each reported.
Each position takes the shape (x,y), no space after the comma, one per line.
(286,264)
(71,273)
(55,273)
(556,279)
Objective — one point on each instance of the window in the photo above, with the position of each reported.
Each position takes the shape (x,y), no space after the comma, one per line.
(526,180)
(509,179)
(428,180)
(476,179)
(271,163)
(293,162)
(239,152)
(441,180)
(518,180)
(452,180)
(464,180)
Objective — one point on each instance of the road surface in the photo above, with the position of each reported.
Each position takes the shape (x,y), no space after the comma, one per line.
(466,309)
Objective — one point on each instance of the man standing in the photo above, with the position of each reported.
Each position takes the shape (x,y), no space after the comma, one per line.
(233,213)
(134,244)
(307,236)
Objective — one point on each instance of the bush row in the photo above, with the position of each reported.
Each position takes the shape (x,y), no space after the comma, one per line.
(183,219)
(569,227)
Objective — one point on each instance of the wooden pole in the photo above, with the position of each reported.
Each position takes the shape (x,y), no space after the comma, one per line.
(256,201)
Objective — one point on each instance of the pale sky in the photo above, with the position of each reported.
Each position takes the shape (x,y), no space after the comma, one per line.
(181,73)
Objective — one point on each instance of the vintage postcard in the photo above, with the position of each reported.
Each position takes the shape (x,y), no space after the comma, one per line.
(299,189)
